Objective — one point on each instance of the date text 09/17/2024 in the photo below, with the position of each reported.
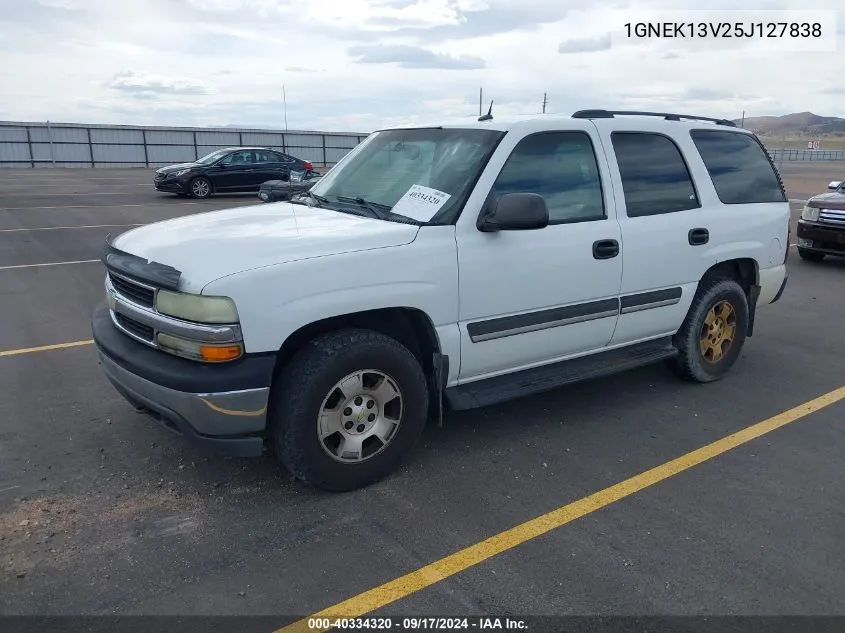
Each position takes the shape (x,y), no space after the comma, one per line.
(418,623)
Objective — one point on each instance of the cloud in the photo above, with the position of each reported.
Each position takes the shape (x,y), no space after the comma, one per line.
(136,83)
(61,4)
(413,57)
(585,45)
(699,93)
(72,65)
(491,17)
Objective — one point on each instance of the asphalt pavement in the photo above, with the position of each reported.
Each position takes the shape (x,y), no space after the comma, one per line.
(103,512)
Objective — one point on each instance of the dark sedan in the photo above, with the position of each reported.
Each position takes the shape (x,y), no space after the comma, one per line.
(235,169)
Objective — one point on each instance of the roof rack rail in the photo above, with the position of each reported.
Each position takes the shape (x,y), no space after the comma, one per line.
(609,114)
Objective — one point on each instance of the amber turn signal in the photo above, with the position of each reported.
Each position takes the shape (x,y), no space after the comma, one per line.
(215,354)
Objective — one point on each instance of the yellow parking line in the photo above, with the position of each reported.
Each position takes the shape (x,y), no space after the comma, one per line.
(44,348)
(441,569)
(57,228)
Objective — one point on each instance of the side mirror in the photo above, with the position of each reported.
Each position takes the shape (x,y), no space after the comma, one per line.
(833,186)
(515,212)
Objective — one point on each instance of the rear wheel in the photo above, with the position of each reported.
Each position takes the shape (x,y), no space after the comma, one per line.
(200,187)
(810,256)
(347,408)
(713,333)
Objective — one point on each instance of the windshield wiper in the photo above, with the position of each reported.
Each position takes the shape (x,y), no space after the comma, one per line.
(320,199)
(380,211)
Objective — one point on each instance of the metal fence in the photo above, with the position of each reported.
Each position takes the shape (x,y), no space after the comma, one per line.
(782,155)
(44,144)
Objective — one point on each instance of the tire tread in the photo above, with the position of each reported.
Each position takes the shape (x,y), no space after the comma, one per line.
(687,365)
(294,396)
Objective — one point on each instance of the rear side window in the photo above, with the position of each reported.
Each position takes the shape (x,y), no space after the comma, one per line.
(655,178)
(739,167)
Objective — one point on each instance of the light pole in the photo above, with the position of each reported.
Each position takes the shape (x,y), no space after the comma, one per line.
(285,102)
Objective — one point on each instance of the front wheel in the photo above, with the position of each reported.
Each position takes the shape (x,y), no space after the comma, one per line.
(347,408)
(200,188)
(713,333)
(810,256)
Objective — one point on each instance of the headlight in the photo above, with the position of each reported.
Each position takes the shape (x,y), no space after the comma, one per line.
(182,171)
(810,213)
(196,307)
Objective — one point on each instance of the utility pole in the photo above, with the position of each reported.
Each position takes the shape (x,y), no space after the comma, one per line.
(480,95)
(545,101)
(743,119)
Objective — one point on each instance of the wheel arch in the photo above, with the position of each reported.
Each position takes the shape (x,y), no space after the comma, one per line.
(746,272)
(410,326)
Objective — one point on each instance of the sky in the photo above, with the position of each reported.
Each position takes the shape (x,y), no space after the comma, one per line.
(357,65)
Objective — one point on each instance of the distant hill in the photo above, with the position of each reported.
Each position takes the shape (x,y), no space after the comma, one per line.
(797,125)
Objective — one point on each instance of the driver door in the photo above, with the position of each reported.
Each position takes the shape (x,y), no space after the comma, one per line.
(532,297)
(237,172)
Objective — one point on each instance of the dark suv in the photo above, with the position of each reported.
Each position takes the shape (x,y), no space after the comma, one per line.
(229,170)
(821,228)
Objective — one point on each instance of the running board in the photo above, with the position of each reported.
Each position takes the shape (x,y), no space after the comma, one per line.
(527,382)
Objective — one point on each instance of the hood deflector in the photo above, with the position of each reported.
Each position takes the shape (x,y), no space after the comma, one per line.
(135,267)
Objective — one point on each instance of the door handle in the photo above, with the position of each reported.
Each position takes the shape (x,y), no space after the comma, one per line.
(697,237)
(605,249)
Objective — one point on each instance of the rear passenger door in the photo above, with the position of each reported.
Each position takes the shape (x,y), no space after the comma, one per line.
(269,166)
(665,226)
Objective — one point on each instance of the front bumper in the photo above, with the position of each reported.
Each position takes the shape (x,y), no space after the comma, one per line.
(820,238)
(171,185)
(221,406)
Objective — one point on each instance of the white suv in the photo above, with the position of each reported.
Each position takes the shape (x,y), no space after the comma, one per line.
(451,266)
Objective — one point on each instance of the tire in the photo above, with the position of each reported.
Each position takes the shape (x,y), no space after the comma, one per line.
(810,256)
(200,187)
(721,306)
(307,384)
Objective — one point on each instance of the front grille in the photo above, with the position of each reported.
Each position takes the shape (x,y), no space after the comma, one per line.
(139,294)
(138,329)
(160,176)
(832,216)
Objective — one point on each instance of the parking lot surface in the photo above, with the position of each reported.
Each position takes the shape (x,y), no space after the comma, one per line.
(102,511)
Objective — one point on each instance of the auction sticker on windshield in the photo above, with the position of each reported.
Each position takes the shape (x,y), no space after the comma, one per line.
(421,203)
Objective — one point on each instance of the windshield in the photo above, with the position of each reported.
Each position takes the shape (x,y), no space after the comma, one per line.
(384,167)
(213,156)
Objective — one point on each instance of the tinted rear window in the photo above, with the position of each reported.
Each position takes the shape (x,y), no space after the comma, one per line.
(655,178)
(740,169)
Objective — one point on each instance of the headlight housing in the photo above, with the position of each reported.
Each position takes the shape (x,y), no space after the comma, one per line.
(810,214)
(182,172)
(197,308)
(194,350)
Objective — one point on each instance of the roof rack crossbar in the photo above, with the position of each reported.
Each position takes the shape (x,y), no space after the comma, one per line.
(609,114)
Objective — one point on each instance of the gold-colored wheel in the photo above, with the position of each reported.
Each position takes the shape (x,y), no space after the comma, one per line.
(718,332)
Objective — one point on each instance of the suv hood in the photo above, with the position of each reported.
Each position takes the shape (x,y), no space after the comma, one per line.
(206,246)
(832,200)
